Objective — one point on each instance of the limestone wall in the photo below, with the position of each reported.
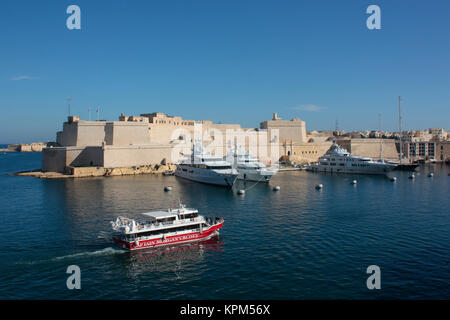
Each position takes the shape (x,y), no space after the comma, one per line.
(57,159)
(292,130)
(371,148)
(308,152)
(127,133)
(53,159)
(68,136)
(82,133)
(86,157)
(126,156)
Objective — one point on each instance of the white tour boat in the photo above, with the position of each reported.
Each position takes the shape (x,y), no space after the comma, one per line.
(168,227)
(250,168)
(207,168)
(339,160)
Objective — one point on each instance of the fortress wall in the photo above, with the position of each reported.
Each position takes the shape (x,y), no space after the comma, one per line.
(68,137)
(163,134)
(87,157)
(127,133)
(288,130)
(53,159)
(308,152)
(57,159)
(371,148)
(127,156)
(90,133)
(109,133)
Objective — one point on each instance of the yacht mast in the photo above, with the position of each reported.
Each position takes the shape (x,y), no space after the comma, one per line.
(400,128)
(380,137)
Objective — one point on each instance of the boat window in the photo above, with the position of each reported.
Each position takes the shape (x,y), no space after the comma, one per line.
(189,215)
(219,167)
(169,219)
(170,230)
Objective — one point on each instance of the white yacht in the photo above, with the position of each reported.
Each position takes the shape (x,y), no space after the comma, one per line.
(339,160)
(250,168)
(207,168)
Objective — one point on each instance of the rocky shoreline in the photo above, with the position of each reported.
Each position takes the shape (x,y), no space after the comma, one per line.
(86,172)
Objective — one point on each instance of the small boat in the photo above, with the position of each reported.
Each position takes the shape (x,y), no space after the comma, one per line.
(159,228)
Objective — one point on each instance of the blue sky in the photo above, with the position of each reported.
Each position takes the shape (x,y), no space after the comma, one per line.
(228,61)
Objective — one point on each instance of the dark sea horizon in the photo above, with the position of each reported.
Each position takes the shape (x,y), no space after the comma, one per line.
(297,243)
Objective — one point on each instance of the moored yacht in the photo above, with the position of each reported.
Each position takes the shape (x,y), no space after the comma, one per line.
(251,169)
(207,168)
(339,160)
(167,227)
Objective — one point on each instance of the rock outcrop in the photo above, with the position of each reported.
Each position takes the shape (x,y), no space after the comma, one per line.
(84,172)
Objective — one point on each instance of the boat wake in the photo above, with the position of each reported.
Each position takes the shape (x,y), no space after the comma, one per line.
(103,252)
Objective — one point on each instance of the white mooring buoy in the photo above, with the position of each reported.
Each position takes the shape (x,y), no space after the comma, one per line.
(412,176)
(276,188)
(167,188)
(430,174)
(393,178)
(354,182)
(319,186)
(241,191)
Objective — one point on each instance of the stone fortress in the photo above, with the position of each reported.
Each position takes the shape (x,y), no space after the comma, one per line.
(156,138)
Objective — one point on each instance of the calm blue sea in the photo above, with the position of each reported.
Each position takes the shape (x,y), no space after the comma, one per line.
(298,243)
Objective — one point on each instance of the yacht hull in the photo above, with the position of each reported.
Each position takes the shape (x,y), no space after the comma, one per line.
(251,175)
(206,176)
(378,169)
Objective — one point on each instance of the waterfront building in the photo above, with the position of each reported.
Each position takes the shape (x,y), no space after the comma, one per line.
(425,145)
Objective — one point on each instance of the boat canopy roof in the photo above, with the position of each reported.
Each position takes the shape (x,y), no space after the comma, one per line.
(160,214)
(163,214)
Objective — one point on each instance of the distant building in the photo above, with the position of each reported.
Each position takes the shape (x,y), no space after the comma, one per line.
(423,145)
(442,150)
